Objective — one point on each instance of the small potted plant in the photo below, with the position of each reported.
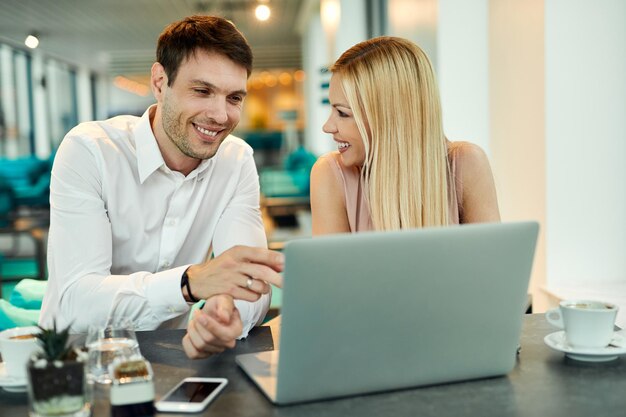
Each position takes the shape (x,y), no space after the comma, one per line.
(56,376)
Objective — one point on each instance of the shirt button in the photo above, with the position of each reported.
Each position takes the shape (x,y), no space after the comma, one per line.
(165,264)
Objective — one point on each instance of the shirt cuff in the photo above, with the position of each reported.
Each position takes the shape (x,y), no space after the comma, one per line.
(252,314)
(164,294)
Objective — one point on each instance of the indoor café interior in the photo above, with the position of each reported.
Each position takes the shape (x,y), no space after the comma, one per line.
(205,184)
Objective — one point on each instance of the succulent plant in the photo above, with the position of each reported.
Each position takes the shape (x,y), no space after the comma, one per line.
(55,344)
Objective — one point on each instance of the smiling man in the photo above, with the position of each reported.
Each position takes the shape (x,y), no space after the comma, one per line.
(151,214)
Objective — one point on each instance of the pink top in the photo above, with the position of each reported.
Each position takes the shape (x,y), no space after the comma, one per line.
(356,203)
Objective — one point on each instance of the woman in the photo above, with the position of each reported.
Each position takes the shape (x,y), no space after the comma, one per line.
(394,169)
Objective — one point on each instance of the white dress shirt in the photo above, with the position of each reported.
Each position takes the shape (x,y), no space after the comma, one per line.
(124,227)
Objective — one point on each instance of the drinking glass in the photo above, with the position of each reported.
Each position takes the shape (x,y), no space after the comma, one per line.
(105,344)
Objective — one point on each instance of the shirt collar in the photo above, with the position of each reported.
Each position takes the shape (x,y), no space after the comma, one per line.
(149,157)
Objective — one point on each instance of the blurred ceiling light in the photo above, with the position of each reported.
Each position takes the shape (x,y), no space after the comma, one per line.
(270,80)
(131,86)
(406,15)
(330,12)
(285,78)
(262,12)
(32,41)
(256,84)
(299,76)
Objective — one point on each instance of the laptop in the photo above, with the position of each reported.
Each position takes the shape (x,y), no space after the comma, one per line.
(380,311)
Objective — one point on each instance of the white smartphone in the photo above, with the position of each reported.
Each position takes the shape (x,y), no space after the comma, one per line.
(191,395)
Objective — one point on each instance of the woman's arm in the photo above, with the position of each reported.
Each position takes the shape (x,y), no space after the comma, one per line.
(328,206)
(480,202)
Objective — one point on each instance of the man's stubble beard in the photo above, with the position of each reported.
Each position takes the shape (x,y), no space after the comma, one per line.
(175,129)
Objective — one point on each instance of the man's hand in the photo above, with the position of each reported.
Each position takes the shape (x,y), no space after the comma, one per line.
(242,272)
(213,329)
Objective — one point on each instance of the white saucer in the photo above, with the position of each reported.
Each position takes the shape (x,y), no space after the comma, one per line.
(617,347)
(9,383)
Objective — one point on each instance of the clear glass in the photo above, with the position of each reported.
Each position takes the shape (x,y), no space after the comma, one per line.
(104,345)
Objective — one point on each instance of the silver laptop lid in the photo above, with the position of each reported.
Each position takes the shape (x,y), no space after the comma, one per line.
(379,311)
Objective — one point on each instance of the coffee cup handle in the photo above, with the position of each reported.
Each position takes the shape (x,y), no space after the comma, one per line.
(555,318)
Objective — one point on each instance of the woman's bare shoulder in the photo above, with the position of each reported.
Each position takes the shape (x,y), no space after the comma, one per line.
(326,177)
(325,167)
(466,150)
(480,203)
(327,197)
(469,157)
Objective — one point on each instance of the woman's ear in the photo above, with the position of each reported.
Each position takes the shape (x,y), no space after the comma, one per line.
(158,80)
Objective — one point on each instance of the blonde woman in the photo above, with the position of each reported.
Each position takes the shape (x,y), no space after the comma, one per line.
(394,169)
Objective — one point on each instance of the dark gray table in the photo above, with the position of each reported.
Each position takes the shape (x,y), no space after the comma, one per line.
(543,383)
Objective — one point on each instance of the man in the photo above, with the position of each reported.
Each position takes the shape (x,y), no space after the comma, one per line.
(139,205)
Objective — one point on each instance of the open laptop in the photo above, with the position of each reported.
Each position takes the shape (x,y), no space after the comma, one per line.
(378,311)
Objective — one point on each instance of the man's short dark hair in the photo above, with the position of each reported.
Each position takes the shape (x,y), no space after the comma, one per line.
(180,40)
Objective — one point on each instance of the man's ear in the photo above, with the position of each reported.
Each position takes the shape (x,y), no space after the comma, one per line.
(158,80)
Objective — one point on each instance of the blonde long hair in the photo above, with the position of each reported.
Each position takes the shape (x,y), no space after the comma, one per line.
(390,86)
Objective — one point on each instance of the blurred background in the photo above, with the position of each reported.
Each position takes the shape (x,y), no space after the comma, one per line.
(539,84)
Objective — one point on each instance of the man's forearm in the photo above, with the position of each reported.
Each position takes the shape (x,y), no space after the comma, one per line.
(146,299)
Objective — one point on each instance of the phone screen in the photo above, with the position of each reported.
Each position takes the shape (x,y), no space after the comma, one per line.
(192,391)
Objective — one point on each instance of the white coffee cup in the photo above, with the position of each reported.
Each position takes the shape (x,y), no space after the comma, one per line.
(16,349)
(587,323)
